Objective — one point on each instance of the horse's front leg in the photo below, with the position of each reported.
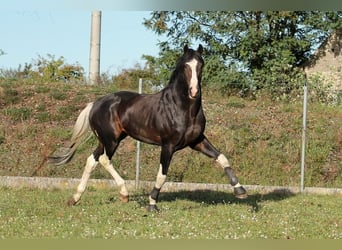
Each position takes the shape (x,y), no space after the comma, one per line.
(165,159)
(204,146)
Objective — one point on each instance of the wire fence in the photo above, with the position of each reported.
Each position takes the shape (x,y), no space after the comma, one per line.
(302,168)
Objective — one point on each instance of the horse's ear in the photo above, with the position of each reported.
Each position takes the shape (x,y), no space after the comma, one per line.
(186,48)
(200,49)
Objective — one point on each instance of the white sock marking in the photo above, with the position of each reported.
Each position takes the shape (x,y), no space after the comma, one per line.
(237,185)
(90,166)
(223,161)
(152,201)
(104,160)
(160,177)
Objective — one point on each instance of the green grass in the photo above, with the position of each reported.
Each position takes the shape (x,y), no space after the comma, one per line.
(33,213)
(18,114)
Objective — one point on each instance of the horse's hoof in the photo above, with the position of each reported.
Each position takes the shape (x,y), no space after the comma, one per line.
(240,192)
(123,198)
(152,208)
(71,202)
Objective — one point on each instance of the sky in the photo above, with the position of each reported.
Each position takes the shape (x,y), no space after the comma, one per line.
(32,28)
(27,33)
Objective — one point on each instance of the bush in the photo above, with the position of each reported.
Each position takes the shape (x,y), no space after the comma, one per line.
(48,69)
(323,91)
(225,78)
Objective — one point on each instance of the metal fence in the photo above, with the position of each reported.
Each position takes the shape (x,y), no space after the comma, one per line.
(302,170)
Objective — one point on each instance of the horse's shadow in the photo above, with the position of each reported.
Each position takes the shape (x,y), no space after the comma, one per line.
(210,197)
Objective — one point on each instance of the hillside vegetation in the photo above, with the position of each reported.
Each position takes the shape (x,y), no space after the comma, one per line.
(261,137)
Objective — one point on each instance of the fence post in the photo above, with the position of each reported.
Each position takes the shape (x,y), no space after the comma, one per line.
(137,165)
(302,168)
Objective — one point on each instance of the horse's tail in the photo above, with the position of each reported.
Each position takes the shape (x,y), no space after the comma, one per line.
(81,127)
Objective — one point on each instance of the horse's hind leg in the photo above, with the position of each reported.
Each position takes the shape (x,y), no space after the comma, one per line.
(205,147)
(105,162)
(104,159)
(90,166)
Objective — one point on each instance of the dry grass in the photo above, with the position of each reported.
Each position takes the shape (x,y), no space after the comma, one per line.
(261,138)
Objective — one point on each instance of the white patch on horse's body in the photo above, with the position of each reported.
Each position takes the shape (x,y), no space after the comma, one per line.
(194,80)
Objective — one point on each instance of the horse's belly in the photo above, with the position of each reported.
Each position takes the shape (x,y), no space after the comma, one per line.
(146,137)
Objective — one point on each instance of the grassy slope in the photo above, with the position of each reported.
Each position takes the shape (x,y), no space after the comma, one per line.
(184,215)
(261,138)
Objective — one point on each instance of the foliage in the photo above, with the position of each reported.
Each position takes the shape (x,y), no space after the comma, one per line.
(163,65)
(46,69)
(219,76)
(268,45)
(216,76)
(322,90)
(129,78)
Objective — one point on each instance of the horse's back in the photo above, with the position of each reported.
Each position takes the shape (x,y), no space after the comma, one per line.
(126,95)
(104,103)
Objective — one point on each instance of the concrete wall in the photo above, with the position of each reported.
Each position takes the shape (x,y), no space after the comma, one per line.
(67,183)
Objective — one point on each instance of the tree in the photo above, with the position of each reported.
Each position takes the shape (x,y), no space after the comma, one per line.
(269,46)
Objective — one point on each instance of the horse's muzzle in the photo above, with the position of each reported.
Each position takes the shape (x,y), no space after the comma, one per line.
(193,93)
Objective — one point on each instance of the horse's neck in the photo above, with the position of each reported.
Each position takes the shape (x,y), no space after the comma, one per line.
(195,107)
(180,96)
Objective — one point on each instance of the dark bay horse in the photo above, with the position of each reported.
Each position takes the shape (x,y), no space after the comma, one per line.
(172,118)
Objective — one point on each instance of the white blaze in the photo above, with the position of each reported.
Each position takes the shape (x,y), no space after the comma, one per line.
(194,80)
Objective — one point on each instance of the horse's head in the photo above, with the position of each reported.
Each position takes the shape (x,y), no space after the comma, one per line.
(193,64)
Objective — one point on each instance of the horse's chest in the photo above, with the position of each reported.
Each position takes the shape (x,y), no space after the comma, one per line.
(193,131)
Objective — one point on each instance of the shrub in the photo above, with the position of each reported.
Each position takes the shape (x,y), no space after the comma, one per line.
(51,69)
(323,91)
